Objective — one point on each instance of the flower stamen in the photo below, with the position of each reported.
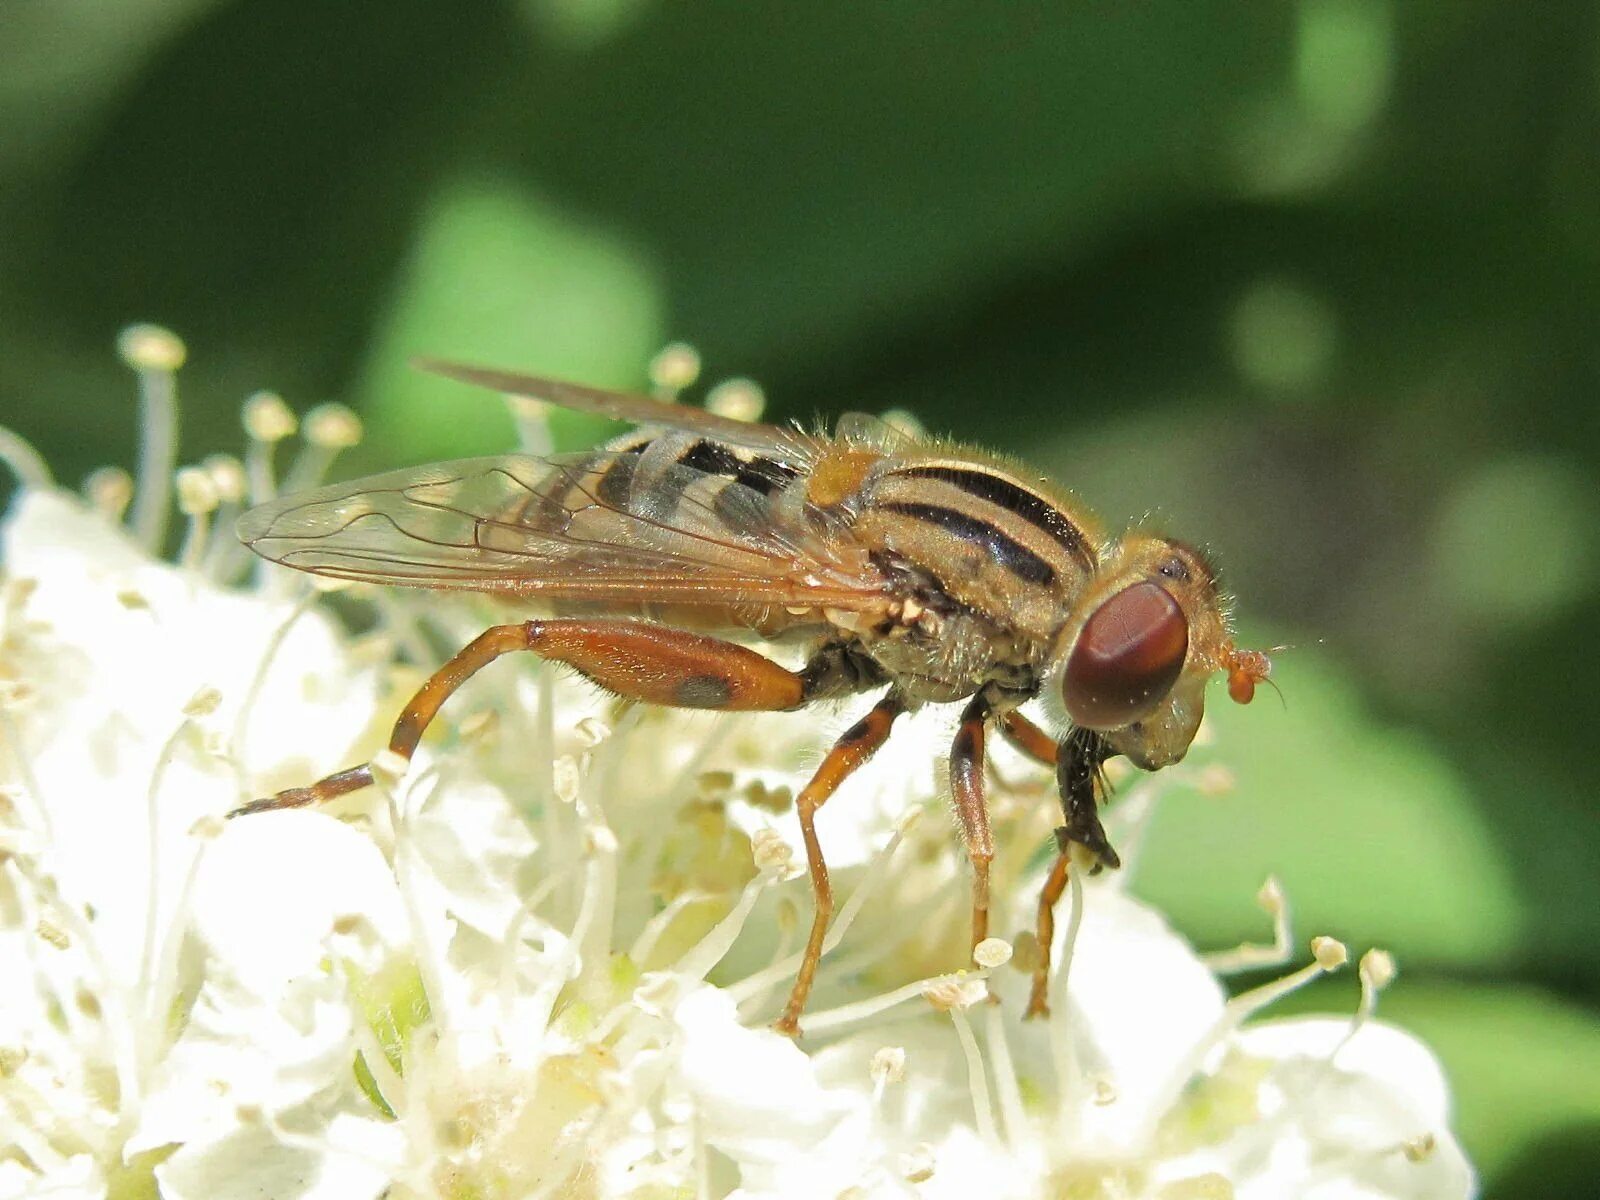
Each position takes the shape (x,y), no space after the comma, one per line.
(197,500)
(875,876)
(1328,954)
(267,421)
(1248,956)
(26,463)
(155,354)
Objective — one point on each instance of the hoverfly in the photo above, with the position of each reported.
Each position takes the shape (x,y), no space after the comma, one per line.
(931,572)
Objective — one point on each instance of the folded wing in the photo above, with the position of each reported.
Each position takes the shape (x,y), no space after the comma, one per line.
(607,526)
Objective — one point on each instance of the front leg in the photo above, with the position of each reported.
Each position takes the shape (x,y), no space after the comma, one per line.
(1078,762)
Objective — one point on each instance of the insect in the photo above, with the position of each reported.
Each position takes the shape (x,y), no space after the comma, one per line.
(928,572)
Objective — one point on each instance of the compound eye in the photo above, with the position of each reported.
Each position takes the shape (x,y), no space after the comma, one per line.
(1127,658)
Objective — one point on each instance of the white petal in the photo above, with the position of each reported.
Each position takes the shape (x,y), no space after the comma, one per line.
(1138,1000)
(79,1178)
(757,1093)
(469,836)
(273,888)
(1336,1130)
(252,1163)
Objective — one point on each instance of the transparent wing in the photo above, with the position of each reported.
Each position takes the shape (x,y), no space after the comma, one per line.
(787,445)
(871,433)
(578,527)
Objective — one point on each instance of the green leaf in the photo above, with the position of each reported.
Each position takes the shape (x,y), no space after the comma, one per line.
(1372,833)
(500,277)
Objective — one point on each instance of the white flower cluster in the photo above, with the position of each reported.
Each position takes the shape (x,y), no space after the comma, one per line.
(541,963)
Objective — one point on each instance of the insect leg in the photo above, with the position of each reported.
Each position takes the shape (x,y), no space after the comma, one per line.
(1028,738)
(670,667)
(418,712)
(1078,764)
(966,787)
(1055,883)
(638,661)
(854,747)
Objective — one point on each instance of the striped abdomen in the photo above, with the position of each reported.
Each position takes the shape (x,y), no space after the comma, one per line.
(992,542)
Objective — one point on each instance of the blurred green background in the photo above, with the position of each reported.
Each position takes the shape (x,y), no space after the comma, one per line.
(1313,283)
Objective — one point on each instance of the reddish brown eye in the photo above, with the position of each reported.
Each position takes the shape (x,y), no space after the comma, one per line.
(1127,658)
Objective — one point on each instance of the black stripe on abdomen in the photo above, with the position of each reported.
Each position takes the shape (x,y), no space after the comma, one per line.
(762,475)
(999,490)
(1010,554)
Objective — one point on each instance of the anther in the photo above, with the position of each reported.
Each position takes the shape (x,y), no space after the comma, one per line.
(1420,1148)
(675,367)
(1270,898)
(1330,953)
(197,493)
(203,703)
(916,1165)
(1377,969)
(992,952)
(952,993)
(887,1065)
(737,399)
(332,427)
(773,855)
(267,418)
(151,348)
(227,476)
(208,828)
(565,778)
(599,839)
(592,731)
